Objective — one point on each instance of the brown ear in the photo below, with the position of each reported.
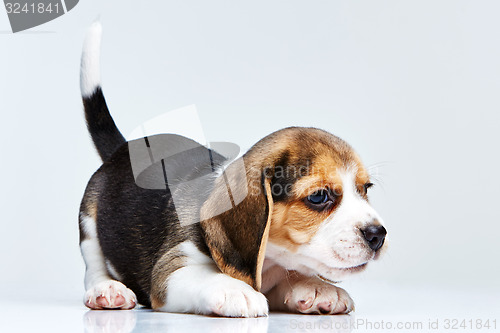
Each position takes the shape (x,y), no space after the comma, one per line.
(235,220)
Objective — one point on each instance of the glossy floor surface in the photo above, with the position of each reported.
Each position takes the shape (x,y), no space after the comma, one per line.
(380,308)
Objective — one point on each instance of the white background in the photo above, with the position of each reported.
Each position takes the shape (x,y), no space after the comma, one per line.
(413,86)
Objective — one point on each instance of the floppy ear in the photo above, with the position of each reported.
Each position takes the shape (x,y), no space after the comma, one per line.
(235,220)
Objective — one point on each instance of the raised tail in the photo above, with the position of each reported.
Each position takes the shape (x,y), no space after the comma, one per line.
(106,136)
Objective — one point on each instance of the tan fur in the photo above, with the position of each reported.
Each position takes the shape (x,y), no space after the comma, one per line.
(231,271)
(88,208)
(164,267)
(265,237)
(91,208)
(293,225)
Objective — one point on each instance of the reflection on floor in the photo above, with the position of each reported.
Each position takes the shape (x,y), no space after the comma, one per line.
(148,321)
(381,308)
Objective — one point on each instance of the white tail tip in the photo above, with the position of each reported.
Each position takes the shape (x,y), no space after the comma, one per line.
(90,72)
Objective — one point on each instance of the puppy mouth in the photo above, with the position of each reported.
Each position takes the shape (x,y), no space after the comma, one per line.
(347,270)
(324,279)
(353,269)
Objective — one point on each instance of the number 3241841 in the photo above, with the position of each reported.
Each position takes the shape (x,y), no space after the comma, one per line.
(40,8)
(478,324)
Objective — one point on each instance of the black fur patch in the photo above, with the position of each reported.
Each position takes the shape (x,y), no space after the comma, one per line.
(287,171)
(106,136)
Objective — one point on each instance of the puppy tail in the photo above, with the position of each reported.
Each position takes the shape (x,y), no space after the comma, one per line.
(106,136)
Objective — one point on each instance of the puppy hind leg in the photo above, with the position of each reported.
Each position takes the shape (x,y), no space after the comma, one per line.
(102,290)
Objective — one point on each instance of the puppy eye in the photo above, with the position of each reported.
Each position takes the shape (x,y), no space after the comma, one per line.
(318,197)
(367,186)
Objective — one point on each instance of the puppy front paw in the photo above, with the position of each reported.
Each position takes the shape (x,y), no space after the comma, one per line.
(318,297)
(234,299)
(110,294)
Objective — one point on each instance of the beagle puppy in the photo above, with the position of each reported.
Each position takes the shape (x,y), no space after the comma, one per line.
(303,222)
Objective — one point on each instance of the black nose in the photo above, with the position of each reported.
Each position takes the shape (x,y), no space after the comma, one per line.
(375,236)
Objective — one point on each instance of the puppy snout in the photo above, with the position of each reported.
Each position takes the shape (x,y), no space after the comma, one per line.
(375,236)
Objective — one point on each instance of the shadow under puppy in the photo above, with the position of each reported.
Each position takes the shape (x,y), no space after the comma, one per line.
(303,222)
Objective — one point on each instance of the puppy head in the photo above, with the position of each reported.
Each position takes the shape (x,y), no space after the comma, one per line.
(322,223)
(307,195)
